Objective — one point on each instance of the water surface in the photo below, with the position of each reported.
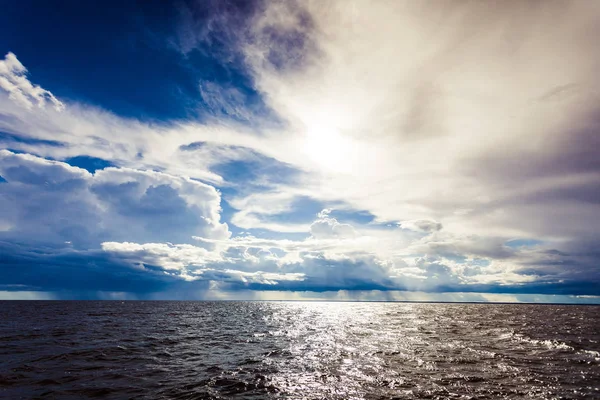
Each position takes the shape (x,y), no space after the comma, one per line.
(197,350)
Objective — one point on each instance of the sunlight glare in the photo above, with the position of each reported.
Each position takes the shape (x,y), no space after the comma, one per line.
(330,150)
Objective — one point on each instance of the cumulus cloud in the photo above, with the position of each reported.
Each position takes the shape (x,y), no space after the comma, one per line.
(192,263)
(13,79)
(434,263)
(51,201)
(326,227)
(166,255)
(309,265)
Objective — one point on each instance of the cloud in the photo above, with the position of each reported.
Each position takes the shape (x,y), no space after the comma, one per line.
(442,263)
(422,225)
(225,101)
(326,227)
(13,79)
(348,92)
(166,255)
(51,201)
(27,267)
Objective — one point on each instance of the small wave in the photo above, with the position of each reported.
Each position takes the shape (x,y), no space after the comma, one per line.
(591,352)
(594,354)
(551,344)
(555,344)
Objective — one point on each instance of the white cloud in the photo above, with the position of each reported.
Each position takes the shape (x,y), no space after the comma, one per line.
(341,262)
(51,201)
(13,79)
(166,255)
(422,225)
(428,113)
(192,262)
(326,227)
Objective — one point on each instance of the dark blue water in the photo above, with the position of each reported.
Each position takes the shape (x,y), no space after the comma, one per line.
(197,350)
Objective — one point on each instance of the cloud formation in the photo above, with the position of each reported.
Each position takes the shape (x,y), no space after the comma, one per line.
(51,201)
(13,79)
(326,227)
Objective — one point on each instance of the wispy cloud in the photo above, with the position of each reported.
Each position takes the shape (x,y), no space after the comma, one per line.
(13,79)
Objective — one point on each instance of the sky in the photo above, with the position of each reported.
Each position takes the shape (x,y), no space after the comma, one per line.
(300,150)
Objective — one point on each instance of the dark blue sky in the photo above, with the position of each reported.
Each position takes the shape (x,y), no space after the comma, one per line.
(123,56)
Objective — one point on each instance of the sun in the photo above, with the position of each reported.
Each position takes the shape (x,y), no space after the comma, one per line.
(329,150)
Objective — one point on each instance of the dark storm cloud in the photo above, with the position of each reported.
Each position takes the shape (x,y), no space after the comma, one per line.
(51,269)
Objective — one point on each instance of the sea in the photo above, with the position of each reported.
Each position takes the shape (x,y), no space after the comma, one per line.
(297,350)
